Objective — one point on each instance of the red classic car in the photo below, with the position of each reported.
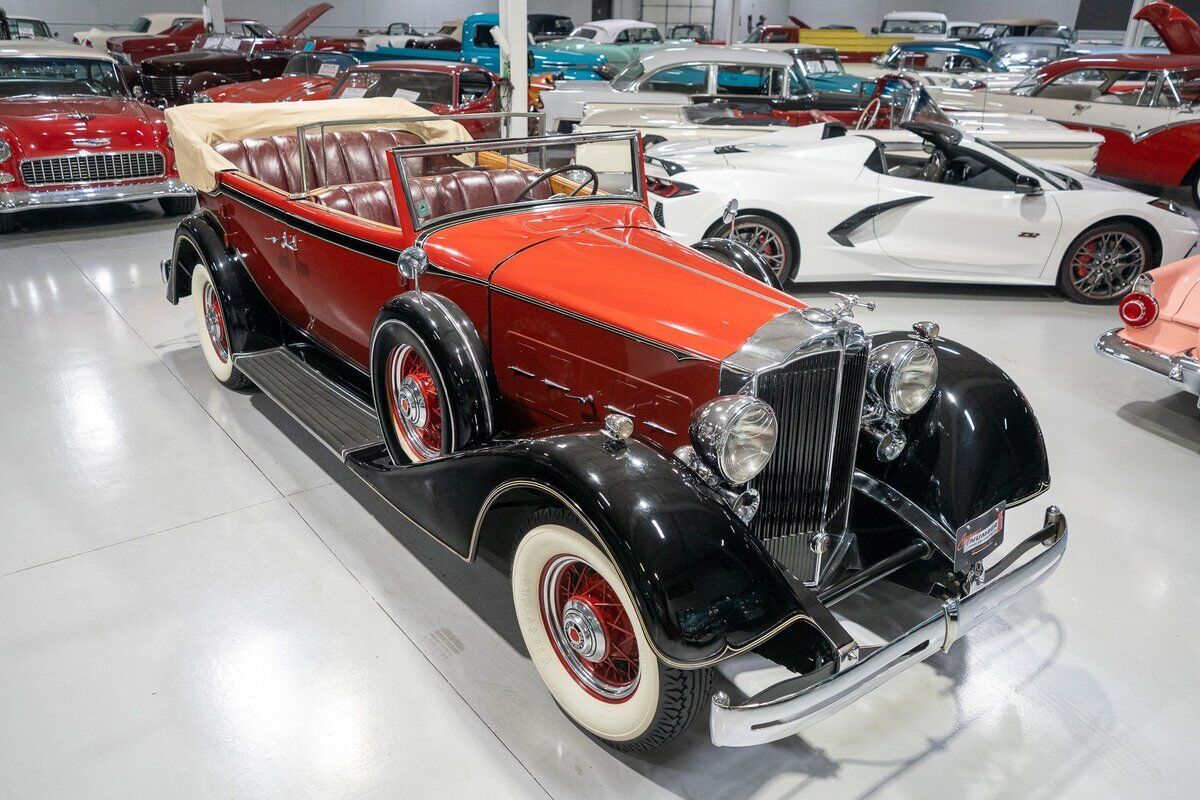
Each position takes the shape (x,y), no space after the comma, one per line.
(179,38)
(71,134)
(681,463)
(218,59)
(1161,332)
(441,87)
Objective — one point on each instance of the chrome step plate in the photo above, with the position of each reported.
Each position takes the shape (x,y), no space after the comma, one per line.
(341,422)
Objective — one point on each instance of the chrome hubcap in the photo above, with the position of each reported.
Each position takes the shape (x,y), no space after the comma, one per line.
(766,242)
(1106,265)
(411,401)
(583,631)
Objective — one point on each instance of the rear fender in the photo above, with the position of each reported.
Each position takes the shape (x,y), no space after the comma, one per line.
(252,322)
(705,588)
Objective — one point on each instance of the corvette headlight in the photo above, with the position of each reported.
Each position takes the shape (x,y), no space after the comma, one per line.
(735,436)
(1169,205)
(903,375)
(5,151)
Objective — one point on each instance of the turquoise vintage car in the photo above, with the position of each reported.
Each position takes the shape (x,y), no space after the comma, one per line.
(619,41)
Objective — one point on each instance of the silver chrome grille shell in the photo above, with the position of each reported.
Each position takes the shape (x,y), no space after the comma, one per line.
(93,168)
(814,377)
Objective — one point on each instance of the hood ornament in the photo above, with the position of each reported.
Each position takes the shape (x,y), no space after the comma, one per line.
(844,309)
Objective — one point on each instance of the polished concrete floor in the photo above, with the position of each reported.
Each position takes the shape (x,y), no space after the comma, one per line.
(196,601)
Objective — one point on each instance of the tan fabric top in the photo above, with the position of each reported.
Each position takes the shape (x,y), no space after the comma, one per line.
(196,128)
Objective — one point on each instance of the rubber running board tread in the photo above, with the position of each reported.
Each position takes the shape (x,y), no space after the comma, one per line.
(341,422)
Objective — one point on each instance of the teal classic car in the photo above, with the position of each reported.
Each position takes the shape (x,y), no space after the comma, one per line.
(472,42)
(617,40)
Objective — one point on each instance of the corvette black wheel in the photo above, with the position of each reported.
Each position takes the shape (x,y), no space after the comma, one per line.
(1102,263)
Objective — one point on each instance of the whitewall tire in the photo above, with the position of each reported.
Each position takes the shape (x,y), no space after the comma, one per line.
(588,644)
(212,324)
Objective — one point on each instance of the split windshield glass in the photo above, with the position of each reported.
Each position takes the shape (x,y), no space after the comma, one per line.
(59,77)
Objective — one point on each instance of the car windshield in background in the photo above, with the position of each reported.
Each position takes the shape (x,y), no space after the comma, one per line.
(905,102)
(1180,88)
(327,65)
(822,65)
(59,77)
(1016,55)
(639,36)
(29,28)
(227,43)
(426,89)
(561,25)
(140,25)
(912,26)
(517,172)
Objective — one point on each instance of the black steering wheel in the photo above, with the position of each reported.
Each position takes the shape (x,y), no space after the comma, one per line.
(935,168)
(592,178)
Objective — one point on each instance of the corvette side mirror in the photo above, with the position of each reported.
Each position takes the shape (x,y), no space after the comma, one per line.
(1028,185)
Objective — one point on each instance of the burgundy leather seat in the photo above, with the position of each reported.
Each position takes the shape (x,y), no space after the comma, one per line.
(338,157)
(447,193)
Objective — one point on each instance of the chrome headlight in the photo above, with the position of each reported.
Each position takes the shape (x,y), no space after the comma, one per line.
(1169,205)
(5,151)
(903,375)
(734,436)
(201,98)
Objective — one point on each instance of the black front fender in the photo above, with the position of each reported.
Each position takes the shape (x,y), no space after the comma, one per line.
(977,442)
(705,587)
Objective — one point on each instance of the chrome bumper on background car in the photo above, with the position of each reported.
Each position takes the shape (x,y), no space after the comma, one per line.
(756,723)
(11,202)
(1182,371)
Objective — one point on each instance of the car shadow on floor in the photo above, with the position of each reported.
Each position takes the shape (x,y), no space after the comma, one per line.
(88,220)
(1174,418)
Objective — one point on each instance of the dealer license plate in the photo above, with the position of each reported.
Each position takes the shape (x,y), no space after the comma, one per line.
(977,538)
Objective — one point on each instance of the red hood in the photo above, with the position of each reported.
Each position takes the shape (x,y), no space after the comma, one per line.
(306,17)
(1179,32)
(48,126)
(274,90)
(633,274)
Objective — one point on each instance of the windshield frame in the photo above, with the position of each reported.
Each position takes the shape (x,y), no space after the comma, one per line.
(637,167)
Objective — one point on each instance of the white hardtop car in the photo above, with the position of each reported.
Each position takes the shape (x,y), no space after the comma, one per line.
(961,211)
(618,31)
(921,25)
(147,23)
(677,75)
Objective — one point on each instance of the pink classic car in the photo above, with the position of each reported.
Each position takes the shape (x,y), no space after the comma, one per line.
(1162,325)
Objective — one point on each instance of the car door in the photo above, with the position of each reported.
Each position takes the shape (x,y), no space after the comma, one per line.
(986,228)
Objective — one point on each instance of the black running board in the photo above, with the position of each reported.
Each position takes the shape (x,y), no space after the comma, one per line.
(339,420)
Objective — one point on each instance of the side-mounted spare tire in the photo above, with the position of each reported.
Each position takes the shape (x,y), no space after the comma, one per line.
(431,378)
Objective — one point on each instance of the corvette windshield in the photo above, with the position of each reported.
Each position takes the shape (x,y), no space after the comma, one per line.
(59,77)
(464,178)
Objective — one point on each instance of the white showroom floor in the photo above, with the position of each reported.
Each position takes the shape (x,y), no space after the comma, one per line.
(196,601)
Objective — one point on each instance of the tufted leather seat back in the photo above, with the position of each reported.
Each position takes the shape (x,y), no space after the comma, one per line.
(347,156)
(373,200)
(452,192)
(446,193)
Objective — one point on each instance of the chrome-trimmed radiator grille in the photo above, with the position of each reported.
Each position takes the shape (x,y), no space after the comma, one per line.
(169,86)
(805,489)
(92,168)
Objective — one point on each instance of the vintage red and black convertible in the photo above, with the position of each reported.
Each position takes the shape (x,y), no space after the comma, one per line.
(681,463)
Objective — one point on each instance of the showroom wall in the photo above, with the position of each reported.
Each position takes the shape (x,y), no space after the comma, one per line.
(349,15)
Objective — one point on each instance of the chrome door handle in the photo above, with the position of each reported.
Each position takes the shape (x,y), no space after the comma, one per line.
(583,399)
(283,241)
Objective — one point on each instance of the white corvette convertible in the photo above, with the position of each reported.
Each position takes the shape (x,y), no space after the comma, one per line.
(960,211)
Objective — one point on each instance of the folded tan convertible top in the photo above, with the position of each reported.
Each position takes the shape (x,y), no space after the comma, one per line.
(196,128)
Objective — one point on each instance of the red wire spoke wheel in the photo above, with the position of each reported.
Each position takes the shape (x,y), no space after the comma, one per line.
(214,323)
(415,403)
(591,632)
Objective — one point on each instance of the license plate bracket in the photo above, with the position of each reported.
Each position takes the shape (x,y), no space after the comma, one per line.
(978,537)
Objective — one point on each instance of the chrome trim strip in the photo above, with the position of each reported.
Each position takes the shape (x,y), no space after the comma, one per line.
(762,722)
(11,202)
(1181,371)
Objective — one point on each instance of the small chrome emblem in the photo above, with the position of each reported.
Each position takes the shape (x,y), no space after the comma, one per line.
(1028,235)
(82,117)
(91,142)
(818,316)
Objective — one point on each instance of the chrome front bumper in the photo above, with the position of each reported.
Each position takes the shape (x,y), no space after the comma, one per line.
(12,202)
(1183,372)
(758,723)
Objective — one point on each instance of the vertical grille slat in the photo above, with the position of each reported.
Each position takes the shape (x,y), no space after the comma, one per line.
(92,168)
(806,487)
